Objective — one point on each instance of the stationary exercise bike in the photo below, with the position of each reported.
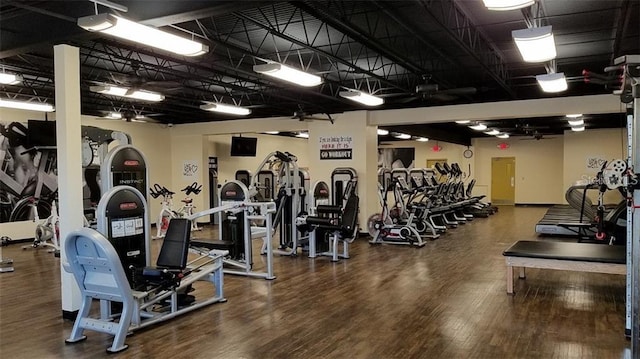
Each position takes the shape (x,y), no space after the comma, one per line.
(187,208)
(47,232)
(167,212)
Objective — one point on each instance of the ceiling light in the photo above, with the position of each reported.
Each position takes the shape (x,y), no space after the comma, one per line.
(402,136)
(303,135)
(382,132)
(125,92)
(503,5)
(503,135)
(287,73)
(146,35)
(232,110)
(9,79)
(363,98)
(463,122)
(272,132)
(555,82)
(492,132)
(24,105)
(114,115)
(574,115)
(579,122)
(536,44)
(577,129)
(422,139)
(478,127)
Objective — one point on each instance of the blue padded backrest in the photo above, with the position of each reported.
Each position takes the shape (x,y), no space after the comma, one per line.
(175,247)
(96,266)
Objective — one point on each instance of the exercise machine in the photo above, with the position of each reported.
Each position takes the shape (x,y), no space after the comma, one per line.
(236,213)
(47,232)
(331,225)
(384,227)
(166,211)
(111,265)
(187,207)
(292,188)
(6,264)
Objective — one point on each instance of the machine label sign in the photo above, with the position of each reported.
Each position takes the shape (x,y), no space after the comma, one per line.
(336,154)
(128,206)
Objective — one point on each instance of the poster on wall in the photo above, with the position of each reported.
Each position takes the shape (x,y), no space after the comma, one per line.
(28,170)
(400,157)
(336,147)
(189,169)
(594,163)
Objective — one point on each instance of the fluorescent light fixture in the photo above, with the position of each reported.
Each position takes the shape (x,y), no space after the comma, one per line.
(114,115)
(289,74)
(463,122)
(478,127)
(577,129)
(272,132)
(125,92)
(555,82)
(146,35)
(402,136)
(24,105)
(9,79)
(232,110)
(574,115)
(382,132)
(504,5)
(363,98)
(303,135)
(579,122)
(503,135)
(422,139)
(492,132)
(536,44)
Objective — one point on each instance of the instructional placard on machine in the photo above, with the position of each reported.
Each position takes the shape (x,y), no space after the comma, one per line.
(117,229)
(130,227)
(139,226)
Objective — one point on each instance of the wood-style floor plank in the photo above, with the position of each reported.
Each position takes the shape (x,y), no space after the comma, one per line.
(445,300)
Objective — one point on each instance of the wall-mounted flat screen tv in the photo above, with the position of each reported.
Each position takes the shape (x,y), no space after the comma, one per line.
(243,146)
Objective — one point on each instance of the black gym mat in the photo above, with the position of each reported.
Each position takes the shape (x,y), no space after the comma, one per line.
(585,252)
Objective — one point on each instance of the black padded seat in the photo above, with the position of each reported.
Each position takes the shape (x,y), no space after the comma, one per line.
(584,252)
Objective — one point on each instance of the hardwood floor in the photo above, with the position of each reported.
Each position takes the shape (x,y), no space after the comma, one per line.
(445,300)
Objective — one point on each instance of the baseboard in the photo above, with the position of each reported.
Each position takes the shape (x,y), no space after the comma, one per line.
(69,315)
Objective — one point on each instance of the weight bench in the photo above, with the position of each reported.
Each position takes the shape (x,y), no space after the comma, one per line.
(579,257)
(98,270)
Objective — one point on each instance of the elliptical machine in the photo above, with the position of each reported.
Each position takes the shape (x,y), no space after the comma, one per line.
(384,227)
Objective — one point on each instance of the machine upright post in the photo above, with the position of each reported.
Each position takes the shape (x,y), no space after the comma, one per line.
(635,245)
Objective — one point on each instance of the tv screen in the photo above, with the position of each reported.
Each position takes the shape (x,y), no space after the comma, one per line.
(41,133)
(243,146)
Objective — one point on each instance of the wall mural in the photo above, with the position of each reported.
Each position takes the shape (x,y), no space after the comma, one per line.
(28,170)
(396,157)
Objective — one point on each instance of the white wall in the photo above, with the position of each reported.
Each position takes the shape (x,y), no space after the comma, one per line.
(539,167)
(606,144)
(227,165)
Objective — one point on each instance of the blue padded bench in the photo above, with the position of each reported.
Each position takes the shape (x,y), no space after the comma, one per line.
(580,257)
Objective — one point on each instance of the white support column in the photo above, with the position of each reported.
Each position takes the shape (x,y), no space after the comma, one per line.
(68,129)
